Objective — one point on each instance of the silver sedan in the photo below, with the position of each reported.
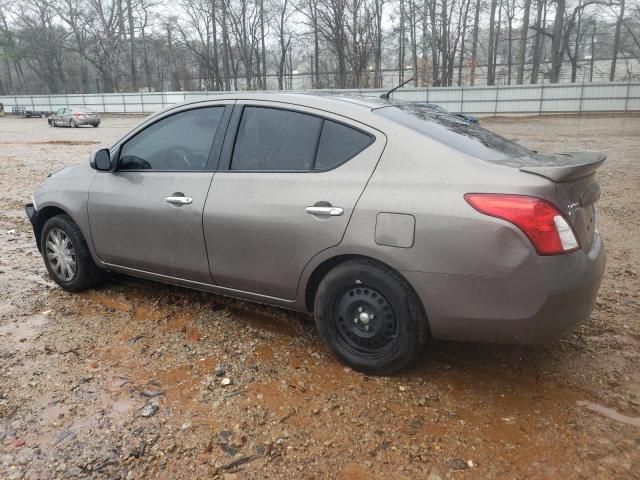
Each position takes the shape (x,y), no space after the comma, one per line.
(392,224)
(73,117)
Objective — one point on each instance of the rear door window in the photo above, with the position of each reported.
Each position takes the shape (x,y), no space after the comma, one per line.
(274,139)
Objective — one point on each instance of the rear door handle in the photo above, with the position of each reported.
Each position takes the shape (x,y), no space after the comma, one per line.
(325,211)
(179,200)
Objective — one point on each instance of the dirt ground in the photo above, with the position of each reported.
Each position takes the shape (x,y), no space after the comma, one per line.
(127,380)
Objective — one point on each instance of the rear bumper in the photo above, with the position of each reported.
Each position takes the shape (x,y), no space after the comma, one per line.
(34,218)
(541,300)
(88,121)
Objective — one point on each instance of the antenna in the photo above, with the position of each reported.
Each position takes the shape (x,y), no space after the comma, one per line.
(386,95)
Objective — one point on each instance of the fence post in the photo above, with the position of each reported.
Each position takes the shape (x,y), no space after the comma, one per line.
(104,107)
(541,97)
(581,96)
(33,107)
(461,98)
(626,100)
(495,107)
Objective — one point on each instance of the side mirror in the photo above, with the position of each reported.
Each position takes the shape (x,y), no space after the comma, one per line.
(101,160)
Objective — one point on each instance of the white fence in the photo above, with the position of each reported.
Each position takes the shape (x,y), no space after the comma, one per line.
(496,100)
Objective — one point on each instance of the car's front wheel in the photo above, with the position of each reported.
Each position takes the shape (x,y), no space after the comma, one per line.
(370,317)
(67,256)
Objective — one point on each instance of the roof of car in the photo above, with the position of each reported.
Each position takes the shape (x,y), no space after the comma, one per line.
(315,99)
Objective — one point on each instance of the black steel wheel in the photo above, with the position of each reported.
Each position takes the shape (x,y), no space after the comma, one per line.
(366,322)
(370,317)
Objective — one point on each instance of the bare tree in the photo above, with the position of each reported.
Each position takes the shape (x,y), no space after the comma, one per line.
(522,45)
(616,42)
(474,43)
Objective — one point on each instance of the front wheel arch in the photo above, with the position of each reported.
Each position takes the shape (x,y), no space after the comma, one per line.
(43,215)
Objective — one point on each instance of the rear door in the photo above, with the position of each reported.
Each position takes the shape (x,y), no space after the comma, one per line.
(284,191)
(147,215)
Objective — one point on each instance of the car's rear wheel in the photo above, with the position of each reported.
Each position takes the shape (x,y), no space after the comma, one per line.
(67,256)
(72,123)
(370,317)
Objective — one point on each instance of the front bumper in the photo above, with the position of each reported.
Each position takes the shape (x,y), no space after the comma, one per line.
(541,300)
(34,218)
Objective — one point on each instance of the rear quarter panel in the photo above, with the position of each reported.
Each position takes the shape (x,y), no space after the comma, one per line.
(421,177)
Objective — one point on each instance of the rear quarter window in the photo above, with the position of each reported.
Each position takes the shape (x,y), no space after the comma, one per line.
(338,143)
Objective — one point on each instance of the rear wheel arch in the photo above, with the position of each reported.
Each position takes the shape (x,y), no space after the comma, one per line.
(357,288)
(329,264)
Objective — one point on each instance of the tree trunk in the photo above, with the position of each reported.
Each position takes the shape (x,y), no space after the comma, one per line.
(414,47)
(132,48)
(316,45)
(377,81)
(462,44)
(537,46)
(509,43)
(226,61)
(593,51)
(492,35)
(262,47)
(444,46)
(474,44)
(616,43)
(401,44)
(522,45)
(435,53)
(556,42)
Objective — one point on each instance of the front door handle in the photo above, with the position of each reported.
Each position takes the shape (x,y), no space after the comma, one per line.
(325,211)
(179,200)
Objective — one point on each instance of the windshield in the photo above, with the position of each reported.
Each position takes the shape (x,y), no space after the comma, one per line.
(459,134)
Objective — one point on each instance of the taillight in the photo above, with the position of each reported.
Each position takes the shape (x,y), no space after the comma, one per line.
(541,221)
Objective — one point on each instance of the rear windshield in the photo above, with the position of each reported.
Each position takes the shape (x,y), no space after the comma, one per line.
(459,134)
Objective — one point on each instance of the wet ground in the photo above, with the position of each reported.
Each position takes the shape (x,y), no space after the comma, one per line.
(140,380)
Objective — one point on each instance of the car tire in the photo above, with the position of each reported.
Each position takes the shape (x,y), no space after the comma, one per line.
(61,240)
(95,125)
(370,317)
(73,124)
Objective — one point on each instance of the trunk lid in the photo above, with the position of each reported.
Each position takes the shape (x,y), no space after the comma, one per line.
(574,174)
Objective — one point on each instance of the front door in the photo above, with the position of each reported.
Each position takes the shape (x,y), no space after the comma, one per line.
(147,215)
(284,193)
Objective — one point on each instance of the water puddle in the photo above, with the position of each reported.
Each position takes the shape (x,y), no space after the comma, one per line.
(105,301)
(610,413)
(21,332)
